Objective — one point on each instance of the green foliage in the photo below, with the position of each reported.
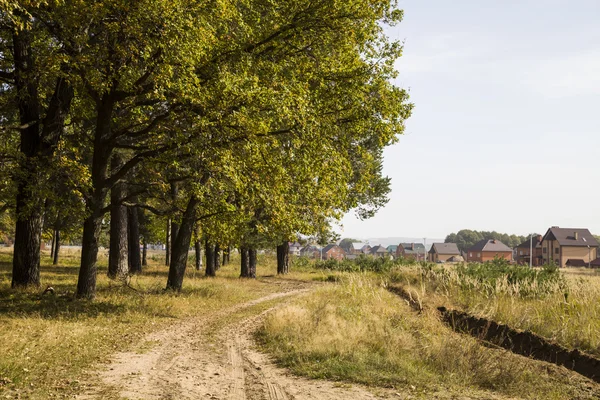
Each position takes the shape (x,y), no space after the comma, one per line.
(489,275)
(466,238)
(363,263)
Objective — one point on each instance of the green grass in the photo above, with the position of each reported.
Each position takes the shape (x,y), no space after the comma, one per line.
(357,331)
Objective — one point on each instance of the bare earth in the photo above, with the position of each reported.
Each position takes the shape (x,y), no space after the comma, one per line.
(183,365)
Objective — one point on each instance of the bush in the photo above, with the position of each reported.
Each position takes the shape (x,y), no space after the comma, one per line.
(364,263)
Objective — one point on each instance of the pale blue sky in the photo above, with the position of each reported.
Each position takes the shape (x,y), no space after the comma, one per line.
(504,134)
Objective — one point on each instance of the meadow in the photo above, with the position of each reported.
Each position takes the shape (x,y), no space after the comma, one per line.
(349,327)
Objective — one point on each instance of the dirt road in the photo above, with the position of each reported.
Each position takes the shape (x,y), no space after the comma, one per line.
(182,364)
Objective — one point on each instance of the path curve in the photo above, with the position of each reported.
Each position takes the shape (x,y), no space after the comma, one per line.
(182,365)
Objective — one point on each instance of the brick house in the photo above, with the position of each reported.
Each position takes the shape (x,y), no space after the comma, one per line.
(416,251)
(486,250)
(442,252)
(333,251)
(311,252)
(360,248)
(522,251)
(380,251)
(568,246)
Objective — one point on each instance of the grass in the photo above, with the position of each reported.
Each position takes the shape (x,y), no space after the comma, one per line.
(357,331)
(50,341)
(563,306)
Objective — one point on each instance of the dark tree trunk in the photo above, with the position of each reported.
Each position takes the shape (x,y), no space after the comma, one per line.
(283,258)
(181,246)
(209,251)
(28,230)
(174,223)
(133,238)
(117,259)
(144,252)
(56,247)
(174,233)
(198,248)
(225,254)
(244,263)
(228,254)
(168,243)
(217,257)
(37,143)
(86,284)
(251,263)
(52,246)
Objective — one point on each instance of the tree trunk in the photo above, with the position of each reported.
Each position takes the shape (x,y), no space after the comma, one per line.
(283,258)
(210,259)
(56,247)
(228,254)
(198,248)
(174,233)
(225,254)
(217,257)
(244,263)
(168,243)
(28,230)
(117,259)
(181,246)
(133,238)
(86,284)
(144,252)
(52,245)
(174,223)
(251,263)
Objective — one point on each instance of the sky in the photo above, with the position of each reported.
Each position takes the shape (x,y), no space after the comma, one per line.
(505,131)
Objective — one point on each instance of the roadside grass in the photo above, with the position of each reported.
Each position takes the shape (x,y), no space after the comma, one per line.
(356,331)
(50,341)
(563,307)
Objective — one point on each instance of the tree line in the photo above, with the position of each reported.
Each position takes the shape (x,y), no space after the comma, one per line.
(212,125)
(467,238)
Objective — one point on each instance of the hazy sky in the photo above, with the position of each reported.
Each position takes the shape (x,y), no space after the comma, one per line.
(505,130)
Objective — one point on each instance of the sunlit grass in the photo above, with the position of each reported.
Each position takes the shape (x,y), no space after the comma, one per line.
(566,310)
(357,331)
(49,341)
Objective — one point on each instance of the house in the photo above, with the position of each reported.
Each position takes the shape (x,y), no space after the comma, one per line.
(361,248)
(311,252)
(295,248)
(416,251)
(522,251)
(486,250)
(379,251)
(392,249)
(564,246)
(442,252)
(333,251)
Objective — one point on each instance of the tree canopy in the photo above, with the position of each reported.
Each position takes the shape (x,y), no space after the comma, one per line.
(248,122)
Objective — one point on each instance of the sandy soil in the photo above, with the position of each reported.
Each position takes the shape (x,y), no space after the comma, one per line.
(183,365)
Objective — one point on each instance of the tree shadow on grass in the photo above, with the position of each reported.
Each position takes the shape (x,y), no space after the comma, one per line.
(16,303)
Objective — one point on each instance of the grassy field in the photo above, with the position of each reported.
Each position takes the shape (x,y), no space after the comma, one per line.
(359,332)
(563,306)
(351,330)
(49,341)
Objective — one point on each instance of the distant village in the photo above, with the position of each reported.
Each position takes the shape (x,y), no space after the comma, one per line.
(563,247)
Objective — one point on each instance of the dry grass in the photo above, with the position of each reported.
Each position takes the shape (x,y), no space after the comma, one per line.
(48,342)
(566,311)
(357,331)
